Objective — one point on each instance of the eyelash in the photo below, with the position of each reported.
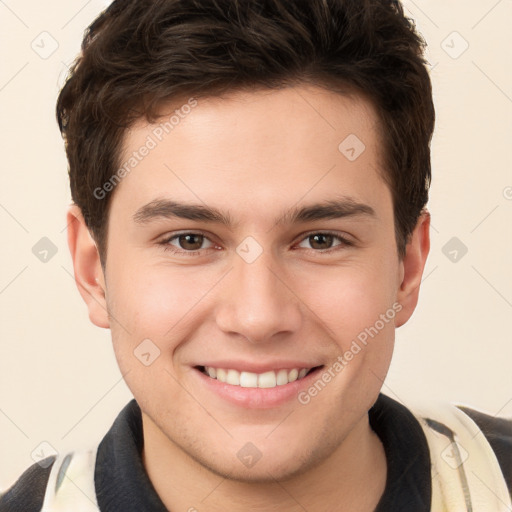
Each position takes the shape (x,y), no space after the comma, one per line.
(344,242)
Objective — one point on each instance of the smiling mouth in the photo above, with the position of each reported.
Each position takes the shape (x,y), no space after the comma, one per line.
(270,379)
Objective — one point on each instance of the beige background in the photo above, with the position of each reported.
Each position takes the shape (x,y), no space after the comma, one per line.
(59,382)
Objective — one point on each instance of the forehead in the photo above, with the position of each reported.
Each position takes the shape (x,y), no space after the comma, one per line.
(298,141)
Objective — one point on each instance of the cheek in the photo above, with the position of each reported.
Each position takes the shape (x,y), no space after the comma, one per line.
(152,309)
(154,300)
(349,300)
(158,304)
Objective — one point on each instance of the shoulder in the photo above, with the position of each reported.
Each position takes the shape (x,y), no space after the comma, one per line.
(27,493)
(498,432)
(475,444)
(59,482)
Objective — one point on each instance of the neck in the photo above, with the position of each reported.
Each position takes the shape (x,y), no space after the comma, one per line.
(352,478)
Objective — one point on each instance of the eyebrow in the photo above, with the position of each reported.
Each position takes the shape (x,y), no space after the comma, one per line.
(330,209)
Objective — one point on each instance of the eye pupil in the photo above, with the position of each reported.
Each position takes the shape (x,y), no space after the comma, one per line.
(187,240)
(314,240)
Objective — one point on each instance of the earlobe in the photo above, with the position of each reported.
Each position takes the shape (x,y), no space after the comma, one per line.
(87,267)
(412,268)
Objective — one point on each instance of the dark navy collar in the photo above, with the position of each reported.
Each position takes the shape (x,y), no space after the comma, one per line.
(123,484)
(408,483)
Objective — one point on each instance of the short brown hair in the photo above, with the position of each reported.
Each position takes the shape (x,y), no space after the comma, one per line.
(139,54)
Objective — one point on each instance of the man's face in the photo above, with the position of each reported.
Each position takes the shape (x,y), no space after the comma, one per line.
(268,291)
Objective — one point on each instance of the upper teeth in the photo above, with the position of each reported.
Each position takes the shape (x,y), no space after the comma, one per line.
(269,379)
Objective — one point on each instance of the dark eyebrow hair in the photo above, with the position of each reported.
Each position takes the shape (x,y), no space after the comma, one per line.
(165,208)
(331,209)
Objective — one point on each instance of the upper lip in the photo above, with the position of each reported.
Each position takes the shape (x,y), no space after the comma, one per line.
(259,367)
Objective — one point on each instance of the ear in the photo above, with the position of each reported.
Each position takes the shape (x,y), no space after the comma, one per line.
(87,267)
(411,268)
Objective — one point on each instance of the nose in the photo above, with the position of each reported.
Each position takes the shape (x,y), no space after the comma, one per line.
(258,302)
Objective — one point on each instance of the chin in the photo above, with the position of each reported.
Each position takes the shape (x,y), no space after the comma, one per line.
(263,472)
(270,462)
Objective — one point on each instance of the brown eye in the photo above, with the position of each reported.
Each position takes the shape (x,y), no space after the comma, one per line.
(187,243)
(190,241)
(321,241)
(325,242)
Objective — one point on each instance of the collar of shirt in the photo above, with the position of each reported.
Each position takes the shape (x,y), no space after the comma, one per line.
(122,483)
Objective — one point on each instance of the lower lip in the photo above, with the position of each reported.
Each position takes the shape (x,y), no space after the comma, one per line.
(257,398)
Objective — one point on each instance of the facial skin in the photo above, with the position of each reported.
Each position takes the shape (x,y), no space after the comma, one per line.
(254,157)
